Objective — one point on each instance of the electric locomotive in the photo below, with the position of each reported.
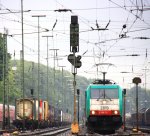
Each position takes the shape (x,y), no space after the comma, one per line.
(104,105)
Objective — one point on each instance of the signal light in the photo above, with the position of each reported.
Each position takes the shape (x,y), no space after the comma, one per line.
(77,60)
(74,34)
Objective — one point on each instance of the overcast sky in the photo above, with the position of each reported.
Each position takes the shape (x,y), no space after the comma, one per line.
(127,22)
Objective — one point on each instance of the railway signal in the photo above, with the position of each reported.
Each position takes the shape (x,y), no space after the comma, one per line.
(75,61)
(78,62)
(74,34)
(72,58)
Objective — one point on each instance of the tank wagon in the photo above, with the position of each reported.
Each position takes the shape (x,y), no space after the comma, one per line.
(104,106)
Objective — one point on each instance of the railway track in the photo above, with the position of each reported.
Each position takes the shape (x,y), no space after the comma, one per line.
(144,130)
(120,132)
(66,131)
(46,132)
(40,132)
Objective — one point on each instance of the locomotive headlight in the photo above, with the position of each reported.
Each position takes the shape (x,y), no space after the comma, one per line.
(116,112)
(93,112)
(104,102)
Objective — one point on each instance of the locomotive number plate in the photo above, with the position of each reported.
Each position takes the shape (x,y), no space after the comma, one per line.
(104,108)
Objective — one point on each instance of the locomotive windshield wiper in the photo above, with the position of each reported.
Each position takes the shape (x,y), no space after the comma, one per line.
(101,96)
(105,96)
(108,97)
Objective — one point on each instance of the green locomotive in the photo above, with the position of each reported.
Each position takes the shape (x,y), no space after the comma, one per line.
(104,106)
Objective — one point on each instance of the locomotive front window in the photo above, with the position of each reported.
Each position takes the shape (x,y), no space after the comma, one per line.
(95,93)
(104,93)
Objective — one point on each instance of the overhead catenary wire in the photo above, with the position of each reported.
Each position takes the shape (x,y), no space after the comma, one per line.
(130,12)
(93,37)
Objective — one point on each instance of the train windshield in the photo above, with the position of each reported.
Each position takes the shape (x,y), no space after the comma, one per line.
(107,93)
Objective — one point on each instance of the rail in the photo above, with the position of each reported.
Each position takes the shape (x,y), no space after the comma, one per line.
(50,131)
(144,130)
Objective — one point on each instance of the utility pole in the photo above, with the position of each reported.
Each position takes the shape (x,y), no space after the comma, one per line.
(4,80)
(23,89)
(63,93)
(33,81)
(145,69)
(47,36)
(38,16)
(7,80)
(55,55)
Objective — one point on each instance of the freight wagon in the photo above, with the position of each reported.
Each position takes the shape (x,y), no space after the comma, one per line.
(11,114)
(27,114)
(143,117)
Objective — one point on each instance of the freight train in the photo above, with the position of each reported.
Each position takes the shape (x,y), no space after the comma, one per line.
(104,106)
(143,118)
(38,114)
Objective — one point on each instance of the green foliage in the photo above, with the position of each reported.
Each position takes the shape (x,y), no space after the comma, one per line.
(63,95)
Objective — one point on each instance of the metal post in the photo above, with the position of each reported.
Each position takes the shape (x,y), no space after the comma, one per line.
(137,113)
(137,80)
(97,70)
(74,86)
(62,88)
(145,88)
(47,66)
(38,16)
(63,94)
(124,110)
(145,85)
(33,80)
(74,125)
(7,81)
(104,76)
(4,83)
(78,93)
(32,95)
(8,111)
(54,81)
(23,93)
